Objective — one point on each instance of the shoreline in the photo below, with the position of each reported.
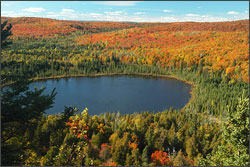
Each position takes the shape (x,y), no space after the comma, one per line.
(105,74)
(193,85)
(113,74)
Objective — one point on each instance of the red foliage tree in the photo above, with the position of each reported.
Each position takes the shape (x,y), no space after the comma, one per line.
(105,152)
(160,158)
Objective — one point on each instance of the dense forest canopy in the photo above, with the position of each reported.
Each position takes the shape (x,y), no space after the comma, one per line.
(216,47)
(43,27)
(212,129)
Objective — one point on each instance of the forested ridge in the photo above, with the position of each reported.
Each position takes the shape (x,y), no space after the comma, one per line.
(212,129)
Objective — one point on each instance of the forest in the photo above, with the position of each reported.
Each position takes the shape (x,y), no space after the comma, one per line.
(211,130)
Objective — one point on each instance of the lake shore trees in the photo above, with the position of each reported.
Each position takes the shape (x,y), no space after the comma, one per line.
(204,54)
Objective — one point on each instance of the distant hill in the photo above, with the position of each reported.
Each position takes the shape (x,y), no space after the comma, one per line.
(43,27)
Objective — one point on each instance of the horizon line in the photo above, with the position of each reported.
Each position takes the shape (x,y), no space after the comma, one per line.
(125,21)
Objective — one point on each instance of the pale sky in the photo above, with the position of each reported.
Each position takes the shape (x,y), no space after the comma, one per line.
(136,11)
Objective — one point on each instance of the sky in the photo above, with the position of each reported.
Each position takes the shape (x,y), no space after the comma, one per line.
(135,11)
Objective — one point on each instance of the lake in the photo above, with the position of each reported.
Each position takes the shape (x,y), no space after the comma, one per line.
(126,94)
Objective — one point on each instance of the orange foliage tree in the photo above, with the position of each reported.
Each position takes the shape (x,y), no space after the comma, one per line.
(160,158)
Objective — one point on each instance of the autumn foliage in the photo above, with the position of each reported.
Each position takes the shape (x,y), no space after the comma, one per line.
(45,27)
(213,56)
(110,163)
(79,130)
(160,158)
(105,151)
(221,47)
(214,47)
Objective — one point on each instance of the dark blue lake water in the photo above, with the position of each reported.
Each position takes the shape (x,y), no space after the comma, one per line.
(126,94)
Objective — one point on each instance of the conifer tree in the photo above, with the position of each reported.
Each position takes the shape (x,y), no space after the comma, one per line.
(179,160)
(145,156)
(20,109)
(5,33)
(236,136)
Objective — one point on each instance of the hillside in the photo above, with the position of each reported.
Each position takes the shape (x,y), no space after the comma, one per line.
(209,131)
(216,46)
(43,27)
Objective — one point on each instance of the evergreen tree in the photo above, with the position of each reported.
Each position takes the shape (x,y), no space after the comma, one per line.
(180,160)
(134,159)
(5,33)
(236,135)
(191,146)
(145,156)
(21,108)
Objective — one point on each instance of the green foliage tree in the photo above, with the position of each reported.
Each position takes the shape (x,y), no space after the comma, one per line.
(145,156)
(134,159)
(48,159)
(5,33)
(21,108)
(180,160)
(121,149)
(191,146)
(196,129)
(235,151)
(96,139)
